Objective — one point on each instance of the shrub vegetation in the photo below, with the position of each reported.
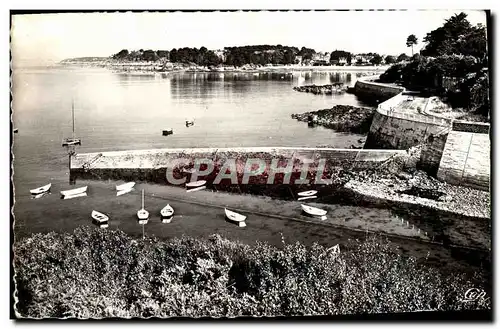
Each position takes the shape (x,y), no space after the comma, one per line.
(102,273)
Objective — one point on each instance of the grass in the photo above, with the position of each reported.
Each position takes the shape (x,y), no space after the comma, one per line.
(96,273)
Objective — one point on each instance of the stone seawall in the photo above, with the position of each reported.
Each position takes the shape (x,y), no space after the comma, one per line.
(151,165)
(465,158)
(367,87)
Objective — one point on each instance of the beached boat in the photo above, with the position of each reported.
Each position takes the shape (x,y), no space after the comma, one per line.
(126,186)
(196,184)
(307,197)
(72,140)
(166,214)
(307,193)
(312,211)
(235,217)
(122,192)
(100,219)
(76,191)
(167,132)
(43,189)
(143,214)
(72,196)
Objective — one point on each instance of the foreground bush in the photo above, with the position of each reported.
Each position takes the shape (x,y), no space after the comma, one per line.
(103,273)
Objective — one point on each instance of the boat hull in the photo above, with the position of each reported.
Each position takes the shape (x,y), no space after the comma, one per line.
(72,196)
(236,218)
(74,191)
(43,189)
(314,212)
(167,132)
(126,186)
(122,192)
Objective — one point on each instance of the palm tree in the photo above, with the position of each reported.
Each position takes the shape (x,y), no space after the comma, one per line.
(411,41)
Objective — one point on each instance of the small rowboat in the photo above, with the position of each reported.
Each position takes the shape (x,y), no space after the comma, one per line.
(143,214)
(43,189)
(189,123)
(72,196)
(307,193)
(76,191)
(235,217)
(196,189)
(167,132)
(196,184)
(122,192)
(16,130)
(312,211)
(126,186)
(100,219)
(307,197)
(166,214)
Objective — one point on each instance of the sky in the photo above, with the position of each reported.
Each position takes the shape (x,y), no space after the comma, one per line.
(43,38)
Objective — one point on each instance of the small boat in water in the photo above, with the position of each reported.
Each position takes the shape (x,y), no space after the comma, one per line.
(16,130)
(166,214)
(126,186)
(72,140)
(100,219)
(167,132)
(189,123)
(307,197)
(72,196)
(235,217)
(196,184)
(40,190)
(307,193)
(122,192)
(143,214)
(312,211)
(71,193)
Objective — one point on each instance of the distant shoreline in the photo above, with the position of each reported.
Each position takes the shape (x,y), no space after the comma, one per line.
(135,68)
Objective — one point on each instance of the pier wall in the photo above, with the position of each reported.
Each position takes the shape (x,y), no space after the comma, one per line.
(152,165)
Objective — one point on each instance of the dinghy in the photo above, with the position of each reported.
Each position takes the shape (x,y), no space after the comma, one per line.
(307,193)
(196,189)
(126,186)
(307,197)
(143,214)
(122,192)
(77,191)
(100,219)
(196,184)
(43,189)
(72,196)
(167,132)
(189,123)
(312,211)
(166,214)
(235,217)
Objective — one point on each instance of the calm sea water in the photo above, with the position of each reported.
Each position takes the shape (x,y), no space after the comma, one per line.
(119,112)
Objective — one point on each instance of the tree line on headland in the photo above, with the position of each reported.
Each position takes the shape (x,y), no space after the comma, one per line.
(452,64)
(256,55)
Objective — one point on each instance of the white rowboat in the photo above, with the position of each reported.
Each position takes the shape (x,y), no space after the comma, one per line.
(307,197)
(122,192)
(312,211)
(126,186)
(235,217)
(196,189)
(166,214)
(72,196)
(307,193)
(79,190)
(196,184)
(100,218)
(42,189)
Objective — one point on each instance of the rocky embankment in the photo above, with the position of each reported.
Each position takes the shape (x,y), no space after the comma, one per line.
(336,88)
(342,118)
(399,182)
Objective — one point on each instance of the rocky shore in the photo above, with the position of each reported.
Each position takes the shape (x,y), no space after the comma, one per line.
(399,182)
(336,88)
(342,118)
